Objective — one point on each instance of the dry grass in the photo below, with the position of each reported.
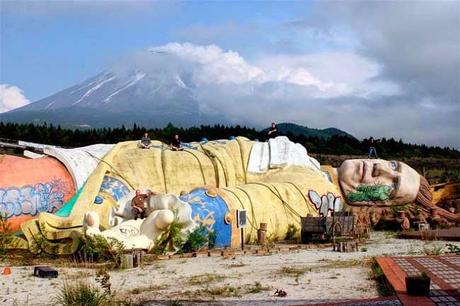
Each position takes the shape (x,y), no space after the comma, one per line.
(204,279)
(256,288)
(150,288)
(341,264)
(294,271)
(227,291)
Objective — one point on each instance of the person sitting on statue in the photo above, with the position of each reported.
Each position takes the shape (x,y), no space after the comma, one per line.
(138,206)
(145,142)
(176,143)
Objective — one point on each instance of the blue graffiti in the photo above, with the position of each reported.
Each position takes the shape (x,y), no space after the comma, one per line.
(31,200)
(114,187)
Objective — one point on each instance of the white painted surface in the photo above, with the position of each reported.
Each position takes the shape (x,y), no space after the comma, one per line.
(279,152)
(80,162)
(34,145)
(30,154)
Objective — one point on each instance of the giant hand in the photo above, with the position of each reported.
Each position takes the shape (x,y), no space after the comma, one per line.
(162,210)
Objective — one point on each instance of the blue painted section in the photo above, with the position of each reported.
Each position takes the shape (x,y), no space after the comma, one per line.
(210,212)
(114,187)
(109,185)
(31,200)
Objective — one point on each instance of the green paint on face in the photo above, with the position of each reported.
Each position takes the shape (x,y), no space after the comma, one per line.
(370,193)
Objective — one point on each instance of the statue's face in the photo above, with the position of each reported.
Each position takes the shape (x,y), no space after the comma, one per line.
(378,181)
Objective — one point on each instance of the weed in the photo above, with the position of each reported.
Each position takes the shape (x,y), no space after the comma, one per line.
(342,263)
(391,234)
(378,276)
(204,279)
(103,278)
(198,238)
(452,248)
(6,234)
(291,232)
(150,288)
(256,288)
(81,292)
(171,239)
(100,249)
(294,270)
(223,291)
(432,249)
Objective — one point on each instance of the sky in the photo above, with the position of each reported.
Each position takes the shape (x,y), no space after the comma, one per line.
(382,69)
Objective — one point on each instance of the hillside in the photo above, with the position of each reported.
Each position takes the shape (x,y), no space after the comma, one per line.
(298,130)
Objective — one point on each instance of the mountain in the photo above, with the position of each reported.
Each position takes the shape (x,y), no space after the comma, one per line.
(111,99)
(298,130)
(114,98)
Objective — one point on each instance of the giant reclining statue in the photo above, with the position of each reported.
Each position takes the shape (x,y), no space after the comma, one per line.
(275,182)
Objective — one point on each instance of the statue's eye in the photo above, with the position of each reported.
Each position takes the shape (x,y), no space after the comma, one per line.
(393,165)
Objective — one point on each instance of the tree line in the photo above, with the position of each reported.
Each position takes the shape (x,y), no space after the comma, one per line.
(335,145)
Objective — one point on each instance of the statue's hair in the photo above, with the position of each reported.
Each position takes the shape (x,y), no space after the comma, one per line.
(424,195)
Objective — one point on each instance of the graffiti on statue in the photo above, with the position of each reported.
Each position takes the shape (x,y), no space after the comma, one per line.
(326,202)
(31,200)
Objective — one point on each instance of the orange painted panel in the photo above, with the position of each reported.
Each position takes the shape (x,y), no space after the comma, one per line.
(31,186)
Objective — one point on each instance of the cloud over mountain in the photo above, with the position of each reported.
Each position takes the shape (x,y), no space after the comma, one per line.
(11,97)
(226,83)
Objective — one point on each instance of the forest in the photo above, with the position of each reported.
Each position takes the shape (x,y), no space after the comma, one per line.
(334,145)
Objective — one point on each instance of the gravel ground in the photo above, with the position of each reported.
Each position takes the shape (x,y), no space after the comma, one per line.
(309,275)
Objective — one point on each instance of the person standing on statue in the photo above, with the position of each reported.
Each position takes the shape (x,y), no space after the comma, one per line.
(273,131)
(372,150)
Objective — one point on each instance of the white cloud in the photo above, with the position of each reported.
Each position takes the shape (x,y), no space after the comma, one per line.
(339,89)
(322,75)
(11,97)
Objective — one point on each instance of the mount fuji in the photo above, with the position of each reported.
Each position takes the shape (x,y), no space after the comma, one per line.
(114,98)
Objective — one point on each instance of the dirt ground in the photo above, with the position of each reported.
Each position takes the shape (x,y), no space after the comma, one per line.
(310,275)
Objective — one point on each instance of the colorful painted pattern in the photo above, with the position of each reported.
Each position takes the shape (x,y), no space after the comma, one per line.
(210,212)
(31,200)
(116,188)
